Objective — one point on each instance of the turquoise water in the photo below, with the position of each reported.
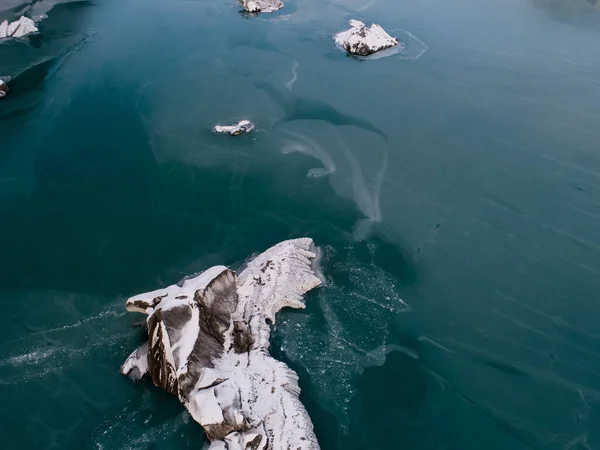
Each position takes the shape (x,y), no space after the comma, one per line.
(454,189)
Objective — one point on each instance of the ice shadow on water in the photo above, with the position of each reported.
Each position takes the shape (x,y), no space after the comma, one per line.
(25,85)
(297,108)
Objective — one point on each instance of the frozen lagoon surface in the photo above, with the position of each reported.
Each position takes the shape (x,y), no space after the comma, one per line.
(455,197)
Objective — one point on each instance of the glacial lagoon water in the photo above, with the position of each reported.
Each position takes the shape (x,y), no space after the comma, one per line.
(454,188)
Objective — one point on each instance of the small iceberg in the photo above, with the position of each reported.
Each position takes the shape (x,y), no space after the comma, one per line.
(361,40)
(18,28)
(257,6)
(3,89)
(208,345)
(243,126)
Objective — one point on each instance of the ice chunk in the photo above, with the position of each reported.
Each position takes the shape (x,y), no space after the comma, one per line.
(243,126)
(363,41)
(18,28)
(136,365)
(208,345)
(256,6)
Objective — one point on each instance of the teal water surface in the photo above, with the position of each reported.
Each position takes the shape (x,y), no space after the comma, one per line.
(454,189)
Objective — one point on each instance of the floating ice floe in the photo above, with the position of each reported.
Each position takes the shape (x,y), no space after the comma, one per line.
(256,6)
(208,345)
(18,28)
(3,89)
(363,41)
(243,126)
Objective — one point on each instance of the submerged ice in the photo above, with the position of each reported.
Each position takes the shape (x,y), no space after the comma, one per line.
(208,345)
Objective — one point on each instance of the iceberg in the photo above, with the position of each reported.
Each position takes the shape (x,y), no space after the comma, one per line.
(208,344)
(18,28)
(243,126)
(256,6)
(363,41)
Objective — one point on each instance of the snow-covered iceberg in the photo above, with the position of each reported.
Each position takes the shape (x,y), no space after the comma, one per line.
(243,126)
(18,28)
(208,345)
(256,6)
(363,41)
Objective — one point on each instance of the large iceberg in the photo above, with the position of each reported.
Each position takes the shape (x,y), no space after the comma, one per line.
(18,28)
(209,346)
(256,6)
(363,41)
